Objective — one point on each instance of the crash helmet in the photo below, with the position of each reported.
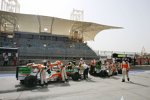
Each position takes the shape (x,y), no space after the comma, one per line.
(81,58)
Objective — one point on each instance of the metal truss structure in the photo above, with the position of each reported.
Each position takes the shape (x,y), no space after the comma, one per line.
(76,31)
(8,21)
(10,5)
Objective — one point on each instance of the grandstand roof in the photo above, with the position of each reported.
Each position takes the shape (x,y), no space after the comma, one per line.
(53,25)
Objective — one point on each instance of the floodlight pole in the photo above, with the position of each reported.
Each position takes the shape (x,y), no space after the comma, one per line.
(10,6)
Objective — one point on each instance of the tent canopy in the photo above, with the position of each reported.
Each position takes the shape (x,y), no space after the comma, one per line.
(53,25)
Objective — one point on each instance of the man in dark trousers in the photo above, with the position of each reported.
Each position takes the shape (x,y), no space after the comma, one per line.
(5,59)
(86,69)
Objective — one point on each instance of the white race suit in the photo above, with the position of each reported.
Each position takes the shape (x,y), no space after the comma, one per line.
(43,75)
(63,74)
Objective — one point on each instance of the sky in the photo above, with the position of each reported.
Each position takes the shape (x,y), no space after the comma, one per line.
(132,15)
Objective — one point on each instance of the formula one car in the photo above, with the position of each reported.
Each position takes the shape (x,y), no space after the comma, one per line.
(29,74)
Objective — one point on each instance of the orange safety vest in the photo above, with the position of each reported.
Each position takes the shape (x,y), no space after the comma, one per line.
(125,66)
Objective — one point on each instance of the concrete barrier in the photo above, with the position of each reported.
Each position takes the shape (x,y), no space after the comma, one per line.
(142,67)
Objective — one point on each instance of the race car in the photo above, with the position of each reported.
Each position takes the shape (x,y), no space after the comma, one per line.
(29,74)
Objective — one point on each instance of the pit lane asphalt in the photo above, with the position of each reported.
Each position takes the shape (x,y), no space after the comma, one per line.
(94,88)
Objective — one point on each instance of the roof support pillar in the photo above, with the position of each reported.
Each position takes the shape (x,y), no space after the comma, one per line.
(51,29)
(39,20)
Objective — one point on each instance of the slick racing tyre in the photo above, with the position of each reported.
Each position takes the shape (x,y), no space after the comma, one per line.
(75,76)
(120,71)
(30,81)
(22,82)
(115,73)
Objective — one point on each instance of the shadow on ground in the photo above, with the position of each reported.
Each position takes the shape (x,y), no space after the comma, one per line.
(19,88)
(134,83)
